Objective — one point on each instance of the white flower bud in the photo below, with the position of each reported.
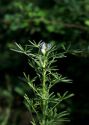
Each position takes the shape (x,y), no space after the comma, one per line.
(48,46)
(43,47)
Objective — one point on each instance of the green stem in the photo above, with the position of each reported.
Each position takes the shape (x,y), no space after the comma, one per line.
(44,93)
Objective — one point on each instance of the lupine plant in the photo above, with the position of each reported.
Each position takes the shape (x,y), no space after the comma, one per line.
(44,104)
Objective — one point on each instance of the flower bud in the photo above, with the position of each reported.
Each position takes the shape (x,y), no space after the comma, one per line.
(43,47)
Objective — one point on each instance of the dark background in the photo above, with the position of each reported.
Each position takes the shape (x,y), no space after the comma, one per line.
(63,21)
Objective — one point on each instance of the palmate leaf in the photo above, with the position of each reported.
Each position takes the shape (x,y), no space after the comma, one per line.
(34,44)
(32,105)
(32,85)
(66,95)
(27,102)
(57,78)
(55,101)
(18,48)
(24,50)
(55,118)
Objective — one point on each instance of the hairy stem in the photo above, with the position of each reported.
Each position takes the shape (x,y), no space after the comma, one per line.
(44,92)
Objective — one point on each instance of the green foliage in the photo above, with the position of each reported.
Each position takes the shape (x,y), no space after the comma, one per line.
(28,15)
(63,21)
(5,113)
(66,19)
(32,19)
(44,103)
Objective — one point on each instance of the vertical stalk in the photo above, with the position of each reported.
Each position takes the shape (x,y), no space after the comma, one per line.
(44,92)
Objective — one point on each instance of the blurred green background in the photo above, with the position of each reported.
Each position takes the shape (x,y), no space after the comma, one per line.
(63,21)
